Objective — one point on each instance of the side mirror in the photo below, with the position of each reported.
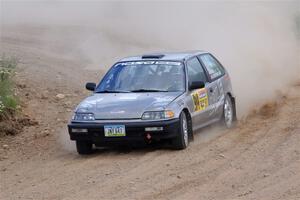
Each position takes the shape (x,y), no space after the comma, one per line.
(90,86)
(196,85)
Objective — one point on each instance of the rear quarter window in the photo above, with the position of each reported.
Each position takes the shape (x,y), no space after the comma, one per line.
(213,67)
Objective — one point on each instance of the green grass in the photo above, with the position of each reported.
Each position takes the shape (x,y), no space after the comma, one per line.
(8,101)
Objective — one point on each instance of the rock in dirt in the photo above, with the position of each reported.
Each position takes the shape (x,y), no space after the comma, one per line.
(21,86)
(44,96)
(60,96)
(222,155)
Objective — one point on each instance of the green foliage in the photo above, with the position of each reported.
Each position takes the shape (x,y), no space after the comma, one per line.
(8,102)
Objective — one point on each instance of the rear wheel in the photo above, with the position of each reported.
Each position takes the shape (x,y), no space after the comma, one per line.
(228,113)
(182,139)
(84,147)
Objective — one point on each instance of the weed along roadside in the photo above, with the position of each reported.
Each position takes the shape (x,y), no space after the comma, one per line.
(8,101)
(12,120)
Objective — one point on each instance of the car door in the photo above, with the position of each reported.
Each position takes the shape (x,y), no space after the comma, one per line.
(198,100)
(214,73)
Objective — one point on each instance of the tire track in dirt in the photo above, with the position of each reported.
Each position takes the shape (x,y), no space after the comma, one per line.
(257,144)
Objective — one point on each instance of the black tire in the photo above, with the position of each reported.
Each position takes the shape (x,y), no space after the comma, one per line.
(84,147)
(182,139)
(228,117)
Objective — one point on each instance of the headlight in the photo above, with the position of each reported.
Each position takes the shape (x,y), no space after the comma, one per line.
(84,117)
(157,115)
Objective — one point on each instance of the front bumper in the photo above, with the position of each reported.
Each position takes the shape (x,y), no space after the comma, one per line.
(135,131)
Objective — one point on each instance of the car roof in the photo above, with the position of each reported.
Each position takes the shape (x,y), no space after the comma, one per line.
(173,56)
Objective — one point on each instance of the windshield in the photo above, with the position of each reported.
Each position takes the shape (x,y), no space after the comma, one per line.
(144,76)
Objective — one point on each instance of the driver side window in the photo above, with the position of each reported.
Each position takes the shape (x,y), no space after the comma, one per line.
(195,71)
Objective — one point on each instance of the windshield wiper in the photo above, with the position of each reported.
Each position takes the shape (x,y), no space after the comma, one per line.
(148,90)
(113,91)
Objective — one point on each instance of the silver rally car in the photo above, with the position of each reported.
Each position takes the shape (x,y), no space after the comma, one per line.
(153,97)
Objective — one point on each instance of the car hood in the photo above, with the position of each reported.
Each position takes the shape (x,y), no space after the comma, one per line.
(125,105)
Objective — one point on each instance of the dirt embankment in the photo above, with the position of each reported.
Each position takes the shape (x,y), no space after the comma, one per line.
(259,159)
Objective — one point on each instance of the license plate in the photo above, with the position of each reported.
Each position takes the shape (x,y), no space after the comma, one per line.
(114,131)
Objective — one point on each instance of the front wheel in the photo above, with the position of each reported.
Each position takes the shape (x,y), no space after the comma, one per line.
(182,139)
(84,147)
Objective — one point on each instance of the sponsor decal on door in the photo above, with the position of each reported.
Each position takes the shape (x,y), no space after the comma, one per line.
(200,99)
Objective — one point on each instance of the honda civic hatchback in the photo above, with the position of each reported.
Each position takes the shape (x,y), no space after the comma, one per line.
(154,97)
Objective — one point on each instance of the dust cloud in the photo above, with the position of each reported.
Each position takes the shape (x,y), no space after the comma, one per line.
(258,42)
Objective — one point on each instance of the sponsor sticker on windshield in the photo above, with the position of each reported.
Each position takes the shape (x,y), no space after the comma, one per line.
(150,63)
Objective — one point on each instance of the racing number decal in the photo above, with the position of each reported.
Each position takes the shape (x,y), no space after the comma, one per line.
(200,99)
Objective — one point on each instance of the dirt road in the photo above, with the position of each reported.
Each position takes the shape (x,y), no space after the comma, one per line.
(259,159)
